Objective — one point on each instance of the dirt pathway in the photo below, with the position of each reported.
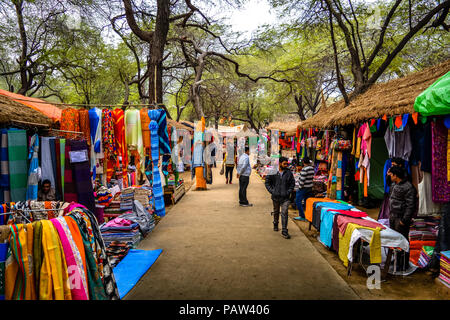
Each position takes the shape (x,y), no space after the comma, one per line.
(214,249)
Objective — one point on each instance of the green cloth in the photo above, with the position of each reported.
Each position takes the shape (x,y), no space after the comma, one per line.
(37,252)
(380,154)
(18,167)
(435,100)
(391,123)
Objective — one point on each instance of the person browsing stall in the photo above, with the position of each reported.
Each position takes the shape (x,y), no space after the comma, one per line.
(305,185)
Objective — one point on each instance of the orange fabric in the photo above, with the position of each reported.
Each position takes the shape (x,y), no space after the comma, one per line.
(76,235)
(85,125)
(398,121)
(309,206)
(415,117)
(70,121)
(48,205)
(121,146)
(384,118)
(145,122)
(365,182)
(47,109)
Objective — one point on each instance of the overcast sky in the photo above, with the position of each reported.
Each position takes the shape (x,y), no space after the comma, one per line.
(254,14)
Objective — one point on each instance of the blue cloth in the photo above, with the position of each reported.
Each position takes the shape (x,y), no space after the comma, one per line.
(404,122)
(135,264)
(197,157)
(244,168)
(160,209)
(32,189)
(327,219)
(94,120)
(159,115)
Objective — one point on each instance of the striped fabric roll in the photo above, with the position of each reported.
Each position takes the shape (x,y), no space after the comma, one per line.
(18,168)
(160,117)
(157,187)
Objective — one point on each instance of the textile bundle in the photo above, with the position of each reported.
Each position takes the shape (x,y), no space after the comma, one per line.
(444,275)
(59,259)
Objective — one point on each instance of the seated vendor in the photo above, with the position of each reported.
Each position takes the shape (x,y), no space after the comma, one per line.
(46,193)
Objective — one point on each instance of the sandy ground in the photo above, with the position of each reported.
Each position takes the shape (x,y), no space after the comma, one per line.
(215,249)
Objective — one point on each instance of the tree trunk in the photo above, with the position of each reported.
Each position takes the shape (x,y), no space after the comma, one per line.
(25,83)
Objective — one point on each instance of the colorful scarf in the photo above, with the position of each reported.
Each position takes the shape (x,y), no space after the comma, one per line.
(159,115)
(33,179)
(70,121)
(85,125)
(439,183)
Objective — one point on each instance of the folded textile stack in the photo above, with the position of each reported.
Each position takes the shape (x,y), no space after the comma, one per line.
(143,196)
(444,275)
(424,229)
(425,256)
(120,235)
(126,199)
(104,197)
(113,209)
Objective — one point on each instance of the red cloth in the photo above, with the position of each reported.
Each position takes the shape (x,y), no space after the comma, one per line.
(415,247)
(343,221)
(121,145)
(354,214)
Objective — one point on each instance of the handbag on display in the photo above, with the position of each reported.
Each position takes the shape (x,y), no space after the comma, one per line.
(343,145)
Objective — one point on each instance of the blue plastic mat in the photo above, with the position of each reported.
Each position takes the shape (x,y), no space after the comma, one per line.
(133,267)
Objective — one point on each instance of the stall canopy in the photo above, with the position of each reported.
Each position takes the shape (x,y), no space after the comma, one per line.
(49,110)
(390,98)
(288,127)
(15,113)
(178,125)
(436,99)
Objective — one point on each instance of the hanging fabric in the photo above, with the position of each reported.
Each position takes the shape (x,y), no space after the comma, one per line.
(157,187)
(18,168)
(4,170)
(121,146)
(133,137)
(33,178)
(85,125)
(159,115)
(441,190)
(70,121)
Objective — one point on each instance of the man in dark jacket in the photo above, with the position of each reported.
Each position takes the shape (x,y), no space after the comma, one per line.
(402,204)
(280,186)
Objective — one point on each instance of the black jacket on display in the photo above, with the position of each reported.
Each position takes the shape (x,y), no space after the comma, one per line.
(280,187)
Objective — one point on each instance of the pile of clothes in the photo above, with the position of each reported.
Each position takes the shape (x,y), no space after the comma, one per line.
(113,209)
(104,197)
(126,199)
(424,229)
(444,275)
(120,235)
(425,256)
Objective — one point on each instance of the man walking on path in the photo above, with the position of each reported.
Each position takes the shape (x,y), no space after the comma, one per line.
(280,186)
(305,185)
(243,174)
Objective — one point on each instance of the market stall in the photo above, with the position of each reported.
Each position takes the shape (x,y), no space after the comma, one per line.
(353,146)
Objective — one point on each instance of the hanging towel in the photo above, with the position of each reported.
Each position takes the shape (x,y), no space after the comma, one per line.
(119,133)
(54,166)
(4,173)
(160,117)
(82,177)
(85,125)
(33,178)
(157,187)
(133,136)
(18,169)
(62,151)
(46,160)
(70,191)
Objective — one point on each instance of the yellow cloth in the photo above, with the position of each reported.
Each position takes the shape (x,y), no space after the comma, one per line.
(353,142)
(19,273)
(133,135)
(375,243)
(358,148)
(54,284)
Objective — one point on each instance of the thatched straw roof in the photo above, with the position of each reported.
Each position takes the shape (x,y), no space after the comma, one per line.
(289,127)
(11,111)
(391,98)
(178,125)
